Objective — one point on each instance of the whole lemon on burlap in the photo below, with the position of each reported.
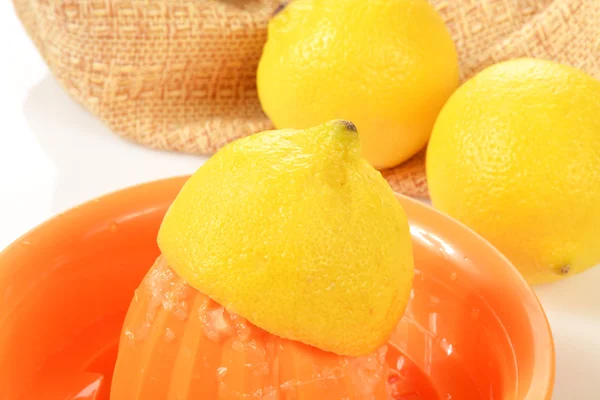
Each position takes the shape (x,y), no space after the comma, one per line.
(388,66)
(515,155)
(296,232)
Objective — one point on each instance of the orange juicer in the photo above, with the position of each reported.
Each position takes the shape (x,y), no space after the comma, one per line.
(473,328)
(178,343)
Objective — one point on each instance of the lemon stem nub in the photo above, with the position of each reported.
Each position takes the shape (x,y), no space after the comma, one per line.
(349,125)
(280,8)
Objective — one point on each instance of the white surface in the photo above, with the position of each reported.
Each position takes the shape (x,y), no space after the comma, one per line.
(54,155)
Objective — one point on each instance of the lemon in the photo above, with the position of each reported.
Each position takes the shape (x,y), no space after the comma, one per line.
(388,66)
(297,233)
(515,155)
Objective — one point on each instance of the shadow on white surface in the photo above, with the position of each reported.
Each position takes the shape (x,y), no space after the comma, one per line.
(577,296)
(573,309)
(90,160)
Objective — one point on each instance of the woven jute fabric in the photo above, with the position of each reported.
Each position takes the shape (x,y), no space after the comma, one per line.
(181,74)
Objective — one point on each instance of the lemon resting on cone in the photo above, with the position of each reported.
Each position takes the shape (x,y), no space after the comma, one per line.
(296,232)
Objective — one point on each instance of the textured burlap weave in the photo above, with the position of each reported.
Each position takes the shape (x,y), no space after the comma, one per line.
(180,74)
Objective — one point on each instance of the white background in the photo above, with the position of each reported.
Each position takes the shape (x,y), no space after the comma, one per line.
(54,155)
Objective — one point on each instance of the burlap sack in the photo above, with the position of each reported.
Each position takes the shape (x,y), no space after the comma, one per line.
(180,74)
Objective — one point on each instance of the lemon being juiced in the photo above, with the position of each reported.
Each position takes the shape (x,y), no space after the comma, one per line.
(286,264)
(296,232)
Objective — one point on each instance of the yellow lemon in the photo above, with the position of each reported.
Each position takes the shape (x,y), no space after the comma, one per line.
(515,155)
(388,66)
(296,232)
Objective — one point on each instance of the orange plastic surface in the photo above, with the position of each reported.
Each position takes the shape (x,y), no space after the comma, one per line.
(473,326)
(177,343)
